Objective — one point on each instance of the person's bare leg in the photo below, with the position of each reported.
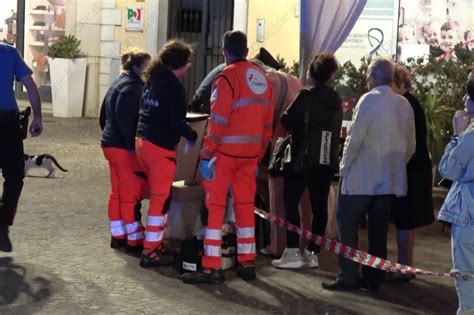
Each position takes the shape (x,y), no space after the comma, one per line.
(306,215)
(406,246)
(406,249)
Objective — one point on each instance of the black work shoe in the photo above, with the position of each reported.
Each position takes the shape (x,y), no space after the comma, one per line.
(366,286)
(116,243)
(338,285)
(215,276)
(5,243)
(394,277)
(134,249)
(157,260)
(246,273)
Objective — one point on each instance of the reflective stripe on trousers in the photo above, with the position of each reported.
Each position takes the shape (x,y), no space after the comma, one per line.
(212,250)
(135,231)
(117,228)
(154,236)
(248,232)
(246,248)
(158,220)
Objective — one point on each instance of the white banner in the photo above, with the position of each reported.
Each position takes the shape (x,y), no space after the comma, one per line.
(374,34)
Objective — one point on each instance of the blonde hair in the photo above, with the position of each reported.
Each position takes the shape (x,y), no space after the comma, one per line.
(402,76)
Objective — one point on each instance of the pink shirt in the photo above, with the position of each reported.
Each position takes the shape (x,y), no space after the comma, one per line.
(294,86)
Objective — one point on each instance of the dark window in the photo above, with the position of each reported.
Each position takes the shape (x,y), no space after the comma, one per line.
(190,21)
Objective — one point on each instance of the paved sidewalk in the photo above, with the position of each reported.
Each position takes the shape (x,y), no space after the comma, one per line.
(62,263)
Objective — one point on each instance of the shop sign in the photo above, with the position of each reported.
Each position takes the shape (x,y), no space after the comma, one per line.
(135,18)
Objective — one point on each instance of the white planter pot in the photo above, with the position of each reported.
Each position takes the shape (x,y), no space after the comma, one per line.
(68,80)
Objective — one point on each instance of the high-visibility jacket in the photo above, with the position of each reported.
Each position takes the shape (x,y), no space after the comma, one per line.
(241,118)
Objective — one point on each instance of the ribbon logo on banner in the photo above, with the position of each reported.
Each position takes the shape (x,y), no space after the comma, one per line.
(376,38)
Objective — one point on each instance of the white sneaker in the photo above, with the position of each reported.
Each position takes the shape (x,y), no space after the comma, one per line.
(291,259)
(310,259)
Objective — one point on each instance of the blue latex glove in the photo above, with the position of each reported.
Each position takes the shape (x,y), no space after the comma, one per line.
(206,171)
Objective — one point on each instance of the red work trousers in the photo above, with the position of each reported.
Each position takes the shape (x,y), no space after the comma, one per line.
(126,190)
(160,166)
(239,175)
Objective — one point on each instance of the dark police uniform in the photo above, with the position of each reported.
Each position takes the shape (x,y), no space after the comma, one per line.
(11,144)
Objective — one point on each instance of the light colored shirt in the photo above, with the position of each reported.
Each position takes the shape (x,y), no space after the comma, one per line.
(457,164)
(380,142)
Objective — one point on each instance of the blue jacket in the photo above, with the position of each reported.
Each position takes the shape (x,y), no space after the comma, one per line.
(457,164)
(162,118)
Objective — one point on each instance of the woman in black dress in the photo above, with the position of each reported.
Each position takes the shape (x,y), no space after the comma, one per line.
(416,208)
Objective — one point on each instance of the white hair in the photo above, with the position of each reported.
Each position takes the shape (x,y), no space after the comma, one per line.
(382,69)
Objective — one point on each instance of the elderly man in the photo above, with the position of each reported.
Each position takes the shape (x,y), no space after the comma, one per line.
(380,142)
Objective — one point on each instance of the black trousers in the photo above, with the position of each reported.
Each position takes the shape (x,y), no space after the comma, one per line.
(12,164)
(350,210)
(318,181)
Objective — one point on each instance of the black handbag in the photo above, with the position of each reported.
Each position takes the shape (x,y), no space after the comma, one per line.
(281,156)
(282,162)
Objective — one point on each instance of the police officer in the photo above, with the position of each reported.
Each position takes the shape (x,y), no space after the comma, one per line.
(240,128)
(11,144)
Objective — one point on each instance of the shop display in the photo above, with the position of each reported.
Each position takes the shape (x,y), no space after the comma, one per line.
(44,24)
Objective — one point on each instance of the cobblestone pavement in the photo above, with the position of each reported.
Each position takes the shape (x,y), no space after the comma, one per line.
(62,262)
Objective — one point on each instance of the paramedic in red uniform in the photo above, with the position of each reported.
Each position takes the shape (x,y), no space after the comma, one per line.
(118,121)
(161,125)
(240,128)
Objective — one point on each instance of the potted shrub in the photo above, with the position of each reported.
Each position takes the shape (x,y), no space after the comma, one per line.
(68,77)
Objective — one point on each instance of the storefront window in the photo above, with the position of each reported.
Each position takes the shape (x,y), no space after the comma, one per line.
(44,24)
(8,20)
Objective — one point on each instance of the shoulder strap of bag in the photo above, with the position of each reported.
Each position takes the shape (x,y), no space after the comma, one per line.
(281,99)
(306,124)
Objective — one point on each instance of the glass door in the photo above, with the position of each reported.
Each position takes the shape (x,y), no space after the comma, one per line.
(44,24)
(8,21)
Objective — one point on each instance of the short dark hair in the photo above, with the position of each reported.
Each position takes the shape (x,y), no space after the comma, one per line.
(134,58)
(322,67)
(235,43)
(173,55)
(449,25)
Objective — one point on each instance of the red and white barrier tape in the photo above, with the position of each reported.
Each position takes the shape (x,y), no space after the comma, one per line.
(356,255)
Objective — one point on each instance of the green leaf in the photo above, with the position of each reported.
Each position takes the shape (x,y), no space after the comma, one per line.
(66,47)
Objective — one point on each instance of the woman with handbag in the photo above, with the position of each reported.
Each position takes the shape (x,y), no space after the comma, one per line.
(315,119)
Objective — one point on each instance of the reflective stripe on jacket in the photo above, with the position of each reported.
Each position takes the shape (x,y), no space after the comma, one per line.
(240,124)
